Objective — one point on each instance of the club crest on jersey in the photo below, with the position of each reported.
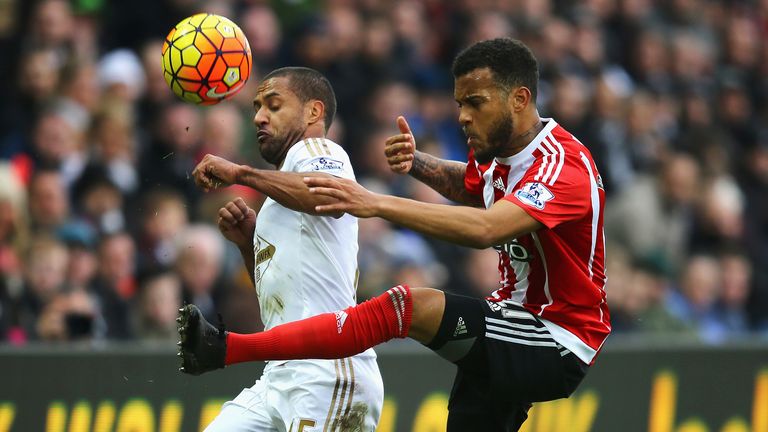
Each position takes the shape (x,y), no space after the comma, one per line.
(534,194)
(325,164)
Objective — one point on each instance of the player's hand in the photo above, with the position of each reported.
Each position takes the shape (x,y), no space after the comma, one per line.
(237,222)
(351,197)
(400,149)
(214,172)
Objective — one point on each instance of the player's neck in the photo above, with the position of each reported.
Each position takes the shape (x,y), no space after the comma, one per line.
(529,129)
(316,130)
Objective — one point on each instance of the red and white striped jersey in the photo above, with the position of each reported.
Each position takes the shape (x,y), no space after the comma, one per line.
(557,272)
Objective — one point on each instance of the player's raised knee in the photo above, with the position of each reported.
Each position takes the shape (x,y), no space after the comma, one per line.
(428,308)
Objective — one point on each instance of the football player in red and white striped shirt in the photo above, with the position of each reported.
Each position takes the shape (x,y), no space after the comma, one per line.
(531,191)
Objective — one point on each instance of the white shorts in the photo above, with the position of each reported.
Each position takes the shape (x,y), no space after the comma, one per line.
(306,396)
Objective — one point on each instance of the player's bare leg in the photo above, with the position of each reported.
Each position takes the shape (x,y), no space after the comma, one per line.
(428,308)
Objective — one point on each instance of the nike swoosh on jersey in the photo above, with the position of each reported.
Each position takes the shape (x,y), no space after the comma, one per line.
(213,94)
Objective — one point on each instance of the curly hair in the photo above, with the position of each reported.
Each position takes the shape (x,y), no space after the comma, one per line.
(511,62)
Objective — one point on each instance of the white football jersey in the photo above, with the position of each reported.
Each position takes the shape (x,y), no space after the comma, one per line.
(305,265)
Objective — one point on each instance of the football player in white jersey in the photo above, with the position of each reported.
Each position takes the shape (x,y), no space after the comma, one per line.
(301,264)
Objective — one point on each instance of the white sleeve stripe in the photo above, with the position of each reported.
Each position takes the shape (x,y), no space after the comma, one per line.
(325,146)
(560,164)
(400,291)
(309,149)
(316,144)
(543,162)
(553,154)
(546,272)
(403,295)
(595,198)
(396,304)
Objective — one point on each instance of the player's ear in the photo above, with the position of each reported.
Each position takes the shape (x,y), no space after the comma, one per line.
(520,98)
(315,111)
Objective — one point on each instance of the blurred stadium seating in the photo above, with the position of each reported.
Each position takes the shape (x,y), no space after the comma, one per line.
(103,234)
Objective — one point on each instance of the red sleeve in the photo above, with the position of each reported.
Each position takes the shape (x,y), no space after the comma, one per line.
(473,180)
(553,201)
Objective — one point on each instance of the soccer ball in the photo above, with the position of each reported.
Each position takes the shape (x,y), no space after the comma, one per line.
(206,59)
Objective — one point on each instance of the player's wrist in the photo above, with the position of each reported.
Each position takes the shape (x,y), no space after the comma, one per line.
(240,171)
(379,205)
(245,247)
(416,163)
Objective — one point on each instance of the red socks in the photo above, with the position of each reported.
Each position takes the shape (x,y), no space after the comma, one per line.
(329,335)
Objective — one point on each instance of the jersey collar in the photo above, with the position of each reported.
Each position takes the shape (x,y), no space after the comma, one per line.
(549,124)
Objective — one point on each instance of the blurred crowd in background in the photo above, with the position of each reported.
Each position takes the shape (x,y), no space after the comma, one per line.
(103,234)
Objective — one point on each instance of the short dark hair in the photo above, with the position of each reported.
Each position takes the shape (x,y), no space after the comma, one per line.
(511,62)
(309,84)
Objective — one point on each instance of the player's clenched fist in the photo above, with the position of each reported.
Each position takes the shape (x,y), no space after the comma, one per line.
(400,149)
(214,172)
(237,222)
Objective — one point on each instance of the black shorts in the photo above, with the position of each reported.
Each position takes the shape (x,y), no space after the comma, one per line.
(506,360)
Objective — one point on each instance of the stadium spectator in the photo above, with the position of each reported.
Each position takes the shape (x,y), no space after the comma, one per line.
(169,159)
(69,316)
(694,301)
(199,260)
(737,286)
(222,132)
(48,201)
(755,185)
(163,216)
(80,239)
(115,284)
(14,227)
(159,299)
(719,220)
(651,283)
(58,143)
(260,23)
(114,145)
(98,200)
(653,215)
(45,274)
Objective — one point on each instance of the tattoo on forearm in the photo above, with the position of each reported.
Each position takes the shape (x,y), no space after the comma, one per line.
(446,177)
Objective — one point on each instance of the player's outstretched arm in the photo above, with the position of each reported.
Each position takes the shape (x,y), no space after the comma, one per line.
(287,188)
(466,226)
(444,176)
